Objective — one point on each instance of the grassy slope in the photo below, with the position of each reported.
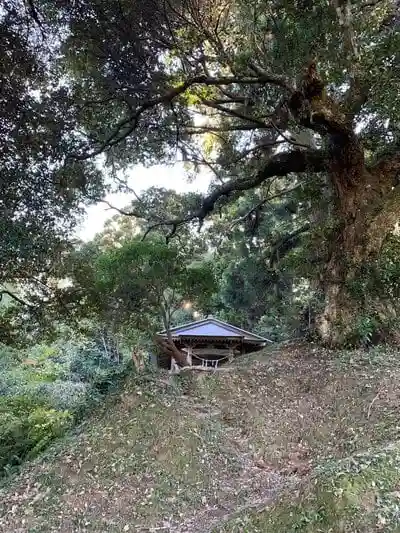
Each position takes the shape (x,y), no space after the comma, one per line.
(305,440)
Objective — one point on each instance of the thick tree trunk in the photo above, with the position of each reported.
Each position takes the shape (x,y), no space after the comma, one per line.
(366,204)
(367,211)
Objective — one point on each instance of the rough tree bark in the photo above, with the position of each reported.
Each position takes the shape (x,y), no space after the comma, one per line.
(366,208)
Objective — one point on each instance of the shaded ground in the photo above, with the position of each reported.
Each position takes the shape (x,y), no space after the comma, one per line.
(210,453)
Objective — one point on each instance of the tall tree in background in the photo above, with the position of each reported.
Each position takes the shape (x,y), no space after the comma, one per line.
(148,213)
(252,91)
(251,239)
(135,285)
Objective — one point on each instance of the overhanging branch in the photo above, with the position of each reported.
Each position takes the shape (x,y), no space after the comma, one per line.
(280,164)
(128,125)
(14,297)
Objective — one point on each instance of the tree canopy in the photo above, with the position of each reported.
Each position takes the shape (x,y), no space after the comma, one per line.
(274,99)
(42,191)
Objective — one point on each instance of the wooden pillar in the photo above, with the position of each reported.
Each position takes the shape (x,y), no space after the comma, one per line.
(189,355)
(174,367)
(231,353)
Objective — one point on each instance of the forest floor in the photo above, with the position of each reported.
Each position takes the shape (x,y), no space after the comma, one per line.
(302,440)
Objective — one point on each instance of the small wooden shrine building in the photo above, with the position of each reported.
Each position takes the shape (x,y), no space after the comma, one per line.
(211,342)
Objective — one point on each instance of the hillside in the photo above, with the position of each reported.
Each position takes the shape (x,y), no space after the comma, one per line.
(303,440)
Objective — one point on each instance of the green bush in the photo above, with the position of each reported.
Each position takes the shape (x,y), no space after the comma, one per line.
(44,390)
(27,425)
(44,425)
(89,365)
(63,395)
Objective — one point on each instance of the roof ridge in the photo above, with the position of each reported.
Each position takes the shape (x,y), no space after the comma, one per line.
(240,329)
(187,324)
(218,322)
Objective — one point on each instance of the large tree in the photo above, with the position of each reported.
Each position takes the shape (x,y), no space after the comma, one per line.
(42,191)
(253,91)
(134,284)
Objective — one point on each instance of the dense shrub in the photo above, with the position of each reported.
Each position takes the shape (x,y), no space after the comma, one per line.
(46,389)
(27,426)
(62,395)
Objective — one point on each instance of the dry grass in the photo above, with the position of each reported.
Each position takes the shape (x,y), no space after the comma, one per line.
(208,452)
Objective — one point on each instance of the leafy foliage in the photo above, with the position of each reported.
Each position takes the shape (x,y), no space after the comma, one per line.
(45,390)
(41,191)
(302,200)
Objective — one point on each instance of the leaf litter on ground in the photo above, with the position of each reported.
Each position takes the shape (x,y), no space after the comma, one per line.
(192,453)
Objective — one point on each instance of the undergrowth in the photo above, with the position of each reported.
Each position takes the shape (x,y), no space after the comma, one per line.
(47,389)
(295,439)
